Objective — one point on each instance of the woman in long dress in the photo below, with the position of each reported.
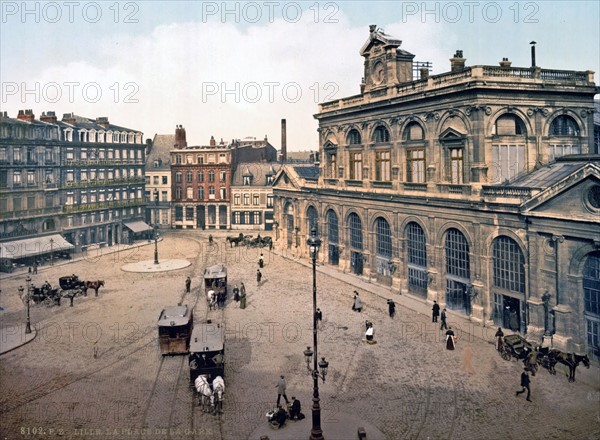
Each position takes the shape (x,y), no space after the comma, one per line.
(450,341)
(357,306)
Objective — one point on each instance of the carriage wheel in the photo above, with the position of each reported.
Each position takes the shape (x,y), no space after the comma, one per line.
(505,354)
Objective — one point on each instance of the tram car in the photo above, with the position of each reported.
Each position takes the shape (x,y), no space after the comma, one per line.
(207,351)
(175,326)
(215,279)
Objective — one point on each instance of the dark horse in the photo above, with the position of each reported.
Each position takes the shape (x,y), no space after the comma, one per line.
(572,360)
(93,285)
(548,358)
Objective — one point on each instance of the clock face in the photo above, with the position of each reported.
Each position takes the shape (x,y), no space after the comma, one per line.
(378,73)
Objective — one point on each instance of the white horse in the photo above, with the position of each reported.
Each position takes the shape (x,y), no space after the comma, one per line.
(218,391)
(211,299)
(205,393)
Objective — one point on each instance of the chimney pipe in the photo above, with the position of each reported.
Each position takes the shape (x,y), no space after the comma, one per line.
(283,141)
(533,43)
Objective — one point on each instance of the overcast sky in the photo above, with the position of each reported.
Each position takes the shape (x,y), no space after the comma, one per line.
(235,69)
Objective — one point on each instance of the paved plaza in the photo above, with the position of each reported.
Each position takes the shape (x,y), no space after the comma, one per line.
(94,370)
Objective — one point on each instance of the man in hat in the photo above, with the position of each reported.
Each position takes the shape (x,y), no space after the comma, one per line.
(281,385)
(391,307)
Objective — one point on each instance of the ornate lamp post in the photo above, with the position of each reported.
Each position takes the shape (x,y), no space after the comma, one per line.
(314,243)
(156,244)
(546,301)
(51,252)
(28,324)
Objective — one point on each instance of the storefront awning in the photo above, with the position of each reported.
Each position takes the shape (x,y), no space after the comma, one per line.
(137,226)
(28,247)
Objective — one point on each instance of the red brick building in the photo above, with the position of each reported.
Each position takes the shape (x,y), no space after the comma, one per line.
(201,177)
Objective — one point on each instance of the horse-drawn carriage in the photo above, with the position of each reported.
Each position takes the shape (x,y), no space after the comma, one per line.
(46,294)
(215,284)
(250,241)
(515,346)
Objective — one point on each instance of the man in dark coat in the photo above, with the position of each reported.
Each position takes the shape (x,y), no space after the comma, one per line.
(258,276)
(524,385)
(296,410)
(236,293)
(391,307)
(435,311)
(443,316)
(188,284)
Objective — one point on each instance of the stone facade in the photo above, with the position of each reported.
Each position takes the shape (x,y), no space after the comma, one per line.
(478,188)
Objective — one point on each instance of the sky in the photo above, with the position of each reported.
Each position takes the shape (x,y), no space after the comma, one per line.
(235,69)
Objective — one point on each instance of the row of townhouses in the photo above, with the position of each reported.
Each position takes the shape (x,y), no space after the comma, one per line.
(66,184)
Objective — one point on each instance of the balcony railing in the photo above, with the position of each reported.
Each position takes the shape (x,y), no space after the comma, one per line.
(410,186)
(105,182)
(101,162)
(506,192)
(26,213)
(103,205)
(451,188)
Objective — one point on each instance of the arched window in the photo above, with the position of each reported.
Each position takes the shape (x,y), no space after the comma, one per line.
(509,265)
(289,223)
(312,220)
(383,238)
(509,125)
(333,237)
(354,137)
(332,227)
(591,301)
(564,125)
(355,231)
(413,132)
(381,134)
(458,270)
(417,258)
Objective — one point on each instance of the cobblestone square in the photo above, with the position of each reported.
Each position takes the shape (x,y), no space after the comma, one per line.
(94,370)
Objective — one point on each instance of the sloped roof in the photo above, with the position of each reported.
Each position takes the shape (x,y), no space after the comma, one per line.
(552,173)
(308,172)
(92,124)
(161,147)
(258,171)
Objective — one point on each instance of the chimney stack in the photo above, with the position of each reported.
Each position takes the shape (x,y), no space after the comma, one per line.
(49,117)
(68,118)
(213,143)
(283,141)
(457,63)
(424,71)
(26,115)
(180,140)
(533,43)
(505,63)
(102,121)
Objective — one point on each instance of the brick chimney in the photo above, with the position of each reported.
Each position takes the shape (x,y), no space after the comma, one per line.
(26,115)
(102,121)
(505,63)
(283,141)
(213,143)
(180,141)
(424,71)
(457,62)
(49,117)
(68,118)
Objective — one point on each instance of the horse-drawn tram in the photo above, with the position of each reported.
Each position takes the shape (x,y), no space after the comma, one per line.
(207,351)
(215,279)
(175,326)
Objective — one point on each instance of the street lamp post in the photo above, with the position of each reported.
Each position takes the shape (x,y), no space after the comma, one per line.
(155,245)
(51,252)
(28,324)
(316,432)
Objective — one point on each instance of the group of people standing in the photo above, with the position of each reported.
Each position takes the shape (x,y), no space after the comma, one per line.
(450,339)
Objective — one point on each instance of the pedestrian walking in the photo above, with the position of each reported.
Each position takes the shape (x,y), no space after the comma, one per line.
(243,299)
(435,311)
(450,339)
(370,332)
(525,385)
(188,284)
(281,386)
(35,267)
(242,289)
(357,304)
(319,315)
(261,261)
(258,276)
(499,338)
(391,308)
(236,293)
(210,239)
(443,317)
